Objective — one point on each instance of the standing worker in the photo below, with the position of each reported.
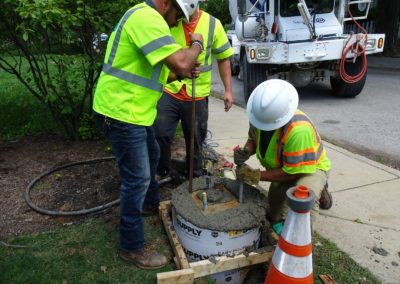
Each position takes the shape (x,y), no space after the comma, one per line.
(176,101)
(139,51)
(287,144)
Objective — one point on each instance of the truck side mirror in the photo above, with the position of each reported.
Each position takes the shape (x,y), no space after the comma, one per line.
(242,10)
(241,7)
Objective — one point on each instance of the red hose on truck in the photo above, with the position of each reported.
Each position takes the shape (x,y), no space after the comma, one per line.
(357,49)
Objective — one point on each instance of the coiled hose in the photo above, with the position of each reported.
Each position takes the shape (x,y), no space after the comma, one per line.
(70,213)
(358,50)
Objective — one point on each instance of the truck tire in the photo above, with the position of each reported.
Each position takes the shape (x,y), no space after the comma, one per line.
(347,90)
(253,75)
(235,68)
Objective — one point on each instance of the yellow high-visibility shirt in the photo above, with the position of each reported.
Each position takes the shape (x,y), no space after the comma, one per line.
(133,75)
(216,44)
(296,147)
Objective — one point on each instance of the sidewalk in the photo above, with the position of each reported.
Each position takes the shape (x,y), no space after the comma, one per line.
(364,220)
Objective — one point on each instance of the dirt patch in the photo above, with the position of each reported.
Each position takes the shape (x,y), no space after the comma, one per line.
(78,187)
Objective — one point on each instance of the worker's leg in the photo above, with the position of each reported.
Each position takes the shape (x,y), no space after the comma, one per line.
(204,123)
(277,194)
(129,143)
(152,200)
(316,182)
(201,116)
(277,201)
(165,127)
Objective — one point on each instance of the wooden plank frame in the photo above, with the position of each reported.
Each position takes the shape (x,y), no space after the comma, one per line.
(187,272)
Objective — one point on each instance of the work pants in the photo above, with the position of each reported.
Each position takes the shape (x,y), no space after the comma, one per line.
(136,151)
(170,111)
(277,194)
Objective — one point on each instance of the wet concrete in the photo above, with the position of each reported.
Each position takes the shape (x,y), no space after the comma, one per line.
(215,196)
(247,215)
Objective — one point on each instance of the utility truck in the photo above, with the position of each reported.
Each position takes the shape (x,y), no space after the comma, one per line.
(301,41)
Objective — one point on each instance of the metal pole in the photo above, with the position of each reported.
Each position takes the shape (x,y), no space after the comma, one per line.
(191,155)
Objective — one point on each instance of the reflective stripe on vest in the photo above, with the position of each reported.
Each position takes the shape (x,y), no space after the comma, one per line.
(308,156)
(222,48)
(208,67)
(151,83)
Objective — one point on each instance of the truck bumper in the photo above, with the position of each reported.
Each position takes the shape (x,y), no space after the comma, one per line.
(308,51)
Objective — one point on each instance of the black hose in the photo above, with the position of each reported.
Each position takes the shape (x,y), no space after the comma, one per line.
(70,213)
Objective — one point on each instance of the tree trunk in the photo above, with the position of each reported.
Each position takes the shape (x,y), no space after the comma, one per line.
(388,23)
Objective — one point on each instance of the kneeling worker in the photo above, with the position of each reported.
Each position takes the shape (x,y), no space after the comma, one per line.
(287,144)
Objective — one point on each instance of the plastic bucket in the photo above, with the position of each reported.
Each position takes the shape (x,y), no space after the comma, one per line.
(201,243)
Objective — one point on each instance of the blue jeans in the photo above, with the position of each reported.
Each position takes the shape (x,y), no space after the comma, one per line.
(137,153)
(170,111)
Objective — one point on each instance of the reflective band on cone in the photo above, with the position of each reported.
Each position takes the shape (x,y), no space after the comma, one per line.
(292,260)
(276,277)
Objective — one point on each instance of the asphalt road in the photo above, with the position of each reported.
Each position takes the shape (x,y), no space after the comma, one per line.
(368,124)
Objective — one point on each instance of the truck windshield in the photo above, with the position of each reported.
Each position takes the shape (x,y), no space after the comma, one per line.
(288,8)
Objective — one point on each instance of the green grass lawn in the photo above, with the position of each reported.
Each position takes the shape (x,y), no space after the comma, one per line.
(87,253)
(84,253)
(20,113)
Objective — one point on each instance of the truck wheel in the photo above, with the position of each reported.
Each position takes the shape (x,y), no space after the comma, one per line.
(253,75)
(235,68)
(347,90)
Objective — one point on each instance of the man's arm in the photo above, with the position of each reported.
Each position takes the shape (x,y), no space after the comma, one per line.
(224,68)
(271,175)
(250,146)
(195,73)
(184,61)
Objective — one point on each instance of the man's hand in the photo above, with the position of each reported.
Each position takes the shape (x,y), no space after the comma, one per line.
(196,39)
(196,70)
(228,100)
(247,174)
(240,156)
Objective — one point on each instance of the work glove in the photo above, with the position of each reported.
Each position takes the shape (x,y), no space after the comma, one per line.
(247,174)
(240,156)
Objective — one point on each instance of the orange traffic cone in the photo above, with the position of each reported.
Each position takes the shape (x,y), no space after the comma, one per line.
(292,259)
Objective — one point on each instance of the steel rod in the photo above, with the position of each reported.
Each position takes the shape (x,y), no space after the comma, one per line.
(191,155)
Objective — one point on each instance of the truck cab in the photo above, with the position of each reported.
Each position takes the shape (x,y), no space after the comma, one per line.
(325,23)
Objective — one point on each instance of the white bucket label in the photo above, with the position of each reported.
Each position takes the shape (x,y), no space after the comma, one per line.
(200,244)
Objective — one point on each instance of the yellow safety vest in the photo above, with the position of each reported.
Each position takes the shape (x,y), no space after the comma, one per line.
(216,43)
(296,147)
(133,74)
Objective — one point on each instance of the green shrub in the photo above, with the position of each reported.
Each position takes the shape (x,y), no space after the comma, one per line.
(220,10)
(49,47)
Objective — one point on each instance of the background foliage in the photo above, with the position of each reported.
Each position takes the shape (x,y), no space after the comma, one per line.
(53,48)
(219,9)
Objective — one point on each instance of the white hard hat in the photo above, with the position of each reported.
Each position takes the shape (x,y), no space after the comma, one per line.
(188,7)
(272,104)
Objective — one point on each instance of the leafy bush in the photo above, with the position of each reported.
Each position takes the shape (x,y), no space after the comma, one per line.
(220,10)
(49,46)
(52,48)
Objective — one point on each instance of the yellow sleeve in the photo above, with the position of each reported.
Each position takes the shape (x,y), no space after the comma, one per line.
(221,48)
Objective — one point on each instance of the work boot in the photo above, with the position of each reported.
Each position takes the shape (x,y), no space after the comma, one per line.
(145,259)
(325,200)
